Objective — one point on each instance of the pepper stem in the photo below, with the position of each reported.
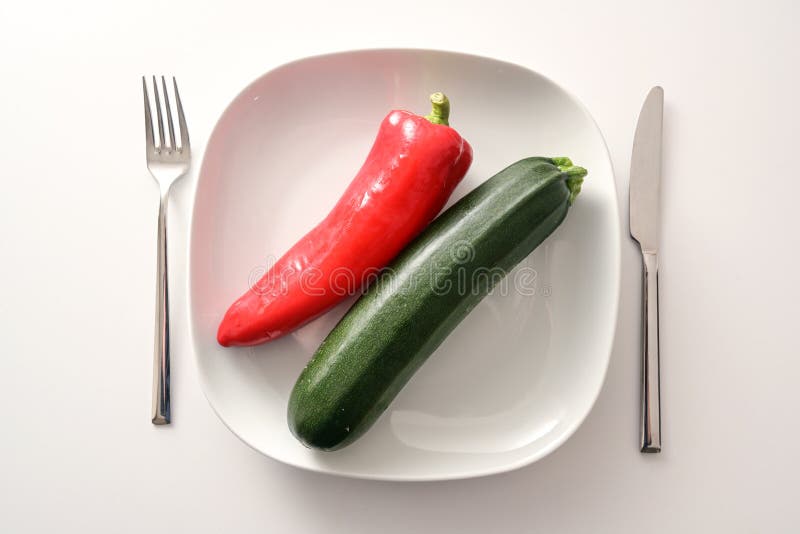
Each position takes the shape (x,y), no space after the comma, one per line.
(440,109)
(574,174)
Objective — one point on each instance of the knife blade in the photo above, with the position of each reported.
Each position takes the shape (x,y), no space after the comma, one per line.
(646,172)
(644,198)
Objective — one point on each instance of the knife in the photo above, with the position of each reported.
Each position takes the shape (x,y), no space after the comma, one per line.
(644,199)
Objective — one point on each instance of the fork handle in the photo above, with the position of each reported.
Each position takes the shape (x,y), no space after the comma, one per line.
(651,375)
(161,398)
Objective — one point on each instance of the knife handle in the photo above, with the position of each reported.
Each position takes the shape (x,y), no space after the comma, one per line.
(651,374)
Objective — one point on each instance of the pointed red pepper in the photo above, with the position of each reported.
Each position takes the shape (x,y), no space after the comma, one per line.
(410,172)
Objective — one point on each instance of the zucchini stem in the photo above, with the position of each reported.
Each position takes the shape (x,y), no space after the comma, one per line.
(574,174)
(440,109)
(562,162)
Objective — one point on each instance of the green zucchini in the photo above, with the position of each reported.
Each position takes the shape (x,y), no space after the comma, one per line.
(421,297)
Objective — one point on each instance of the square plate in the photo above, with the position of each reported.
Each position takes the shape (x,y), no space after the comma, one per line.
(522,371)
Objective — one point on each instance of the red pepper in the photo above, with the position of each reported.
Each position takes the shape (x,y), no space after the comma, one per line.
(410,172)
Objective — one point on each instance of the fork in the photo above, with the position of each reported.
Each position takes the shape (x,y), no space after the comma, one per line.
(167,163)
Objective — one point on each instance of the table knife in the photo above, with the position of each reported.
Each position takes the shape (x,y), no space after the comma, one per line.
(644,200)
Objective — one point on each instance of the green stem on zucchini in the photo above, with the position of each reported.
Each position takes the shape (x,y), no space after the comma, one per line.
(562,163)
(440,109)
(575,176)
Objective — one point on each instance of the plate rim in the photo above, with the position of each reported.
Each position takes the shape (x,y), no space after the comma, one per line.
(463,474)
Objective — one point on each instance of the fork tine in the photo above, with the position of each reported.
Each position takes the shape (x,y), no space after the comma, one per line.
(181,118)
(160,120)
(148,120)
(172,144)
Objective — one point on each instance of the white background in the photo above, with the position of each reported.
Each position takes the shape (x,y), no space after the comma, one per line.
(77,229)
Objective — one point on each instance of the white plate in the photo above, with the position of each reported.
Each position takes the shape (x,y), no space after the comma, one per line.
(520,374)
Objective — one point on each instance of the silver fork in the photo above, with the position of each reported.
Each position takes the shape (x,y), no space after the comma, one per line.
(167,163)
